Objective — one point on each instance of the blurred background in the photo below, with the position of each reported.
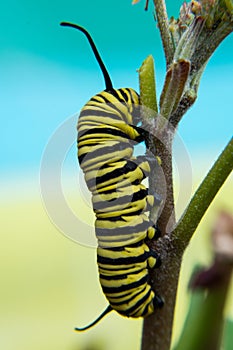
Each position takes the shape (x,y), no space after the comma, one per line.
(49,283)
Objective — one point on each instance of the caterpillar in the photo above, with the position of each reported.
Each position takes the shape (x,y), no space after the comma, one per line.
(107,133)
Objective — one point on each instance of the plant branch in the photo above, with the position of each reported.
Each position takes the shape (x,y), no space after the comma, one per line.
(165,186)
(204,196)
(157,328)
(163,24)
(207,25)
(188,99)
(159,143)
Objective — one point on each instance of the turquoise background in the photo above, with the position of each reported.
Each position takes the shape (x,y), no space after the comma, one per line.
(48,72)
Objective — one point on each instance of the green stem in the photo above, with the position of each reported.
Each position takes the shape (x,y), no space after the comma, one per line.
(204,196)
(163,24)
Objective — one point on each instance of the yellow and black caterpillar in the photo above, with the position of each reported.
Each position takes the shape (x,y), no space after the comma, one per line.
(107,133)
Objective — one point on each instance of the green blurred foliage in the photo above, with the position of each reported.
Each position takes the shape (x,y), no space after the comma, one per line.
(228,335)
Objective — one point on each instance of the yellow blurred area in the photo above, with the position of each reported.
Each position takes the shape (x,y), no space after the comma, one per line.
(49,284)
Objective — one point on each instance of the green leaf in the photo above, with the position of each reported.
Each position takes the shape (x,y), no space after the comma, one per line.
(148,86)
(174,86)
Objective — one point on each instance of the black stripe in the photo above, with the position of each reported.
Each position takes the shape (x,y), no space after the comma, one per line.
(103,242)
(131,198)
(117,276)
(103,130)
(113,277)
(106,165)
(141,137)
(112,190)
(98,113)
(119,217)
(133,310)
(110,104)
(126,229)
(136,109)
(109,268)
(94,99)
(123,261)
(93,155)
(131,96)
(115,94)
(93,144)
(128,99)
(145,312)
(128,167)
(120,249)
(125,287)
(86,113)
(129,297)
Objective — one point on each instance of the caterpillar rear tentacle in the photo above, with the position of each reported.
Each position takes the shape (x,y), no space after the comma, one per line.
(104,313)
(107,133)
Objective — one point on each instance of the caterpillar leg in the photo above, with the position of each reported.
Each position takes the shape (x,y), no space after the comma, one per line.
(153,160)
(152,201)
(153,260)
(158,301)
(143,164)
(153,232)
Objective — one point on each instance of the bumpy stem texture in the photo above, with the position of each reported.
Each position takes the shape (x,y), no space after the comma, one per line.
(162,18)
(157,328)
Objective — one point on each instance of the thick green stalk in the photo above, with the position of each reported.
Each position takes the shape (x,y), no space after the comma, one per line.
(204,196)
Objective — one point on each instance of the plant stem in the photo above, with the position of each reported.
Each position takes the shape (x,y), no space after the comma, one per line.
(159,143)
(167,216)
(204,196)
(157,328)
(163,24)
(188,99)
